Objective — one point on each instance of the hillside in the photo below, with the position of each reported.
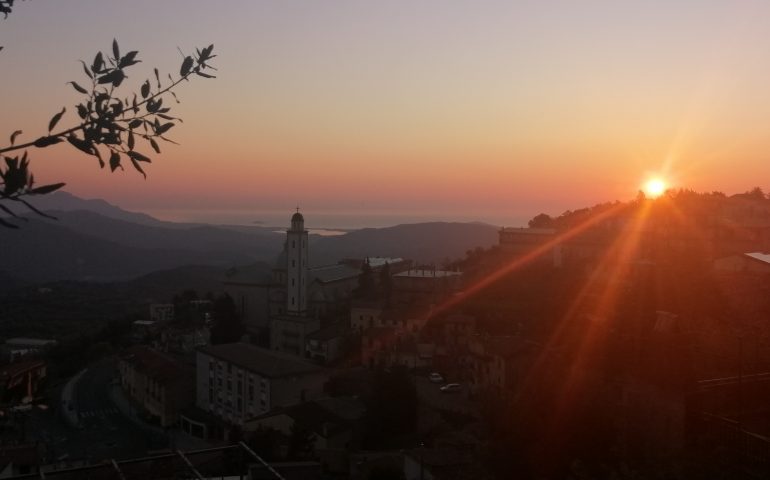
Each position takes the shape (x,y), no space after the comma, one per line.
(92,240)
(67,307)
(422,242)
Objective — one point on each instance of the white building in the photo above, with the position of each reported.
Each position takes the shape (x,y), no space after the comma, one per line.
(238,381)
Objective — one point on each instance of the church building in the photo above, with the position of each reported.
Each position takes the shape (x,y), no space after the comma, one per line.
(282,304)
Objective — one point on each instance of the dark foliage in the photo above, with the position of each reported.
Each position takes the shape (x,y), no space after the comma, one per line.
(107,125)
(366,286)
(227,324)
(391,413)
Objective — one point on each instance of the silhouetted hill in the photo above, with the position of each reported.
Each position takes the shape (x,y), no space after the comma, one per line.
(42,251)
(63,201)
(219,244)
(93,240)
(422,242)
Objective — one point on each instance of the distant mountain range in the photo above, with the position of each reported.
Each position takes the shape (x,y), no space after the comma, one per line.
(94,240)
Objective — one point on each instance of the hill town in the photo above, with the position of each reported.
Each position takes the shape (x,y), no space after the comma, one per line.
(385,365)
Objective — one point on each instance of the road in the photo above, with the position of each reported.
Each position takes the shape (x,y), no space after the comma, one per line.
(104,431)
(110,434)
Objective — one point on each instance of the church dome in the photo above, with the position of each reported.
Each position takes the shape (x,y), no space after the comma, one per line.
(297,222)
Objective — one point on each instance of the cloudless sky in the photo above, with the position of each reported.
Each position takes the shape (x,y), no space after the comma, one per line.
(495,110)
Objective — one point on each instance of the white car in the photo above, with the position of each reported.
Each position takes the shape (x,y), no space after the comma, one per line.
(451,388)
(436,378)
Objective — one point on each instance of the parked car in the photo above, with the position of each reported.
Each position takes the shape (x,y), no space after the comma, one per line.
(451,388)
(436,378)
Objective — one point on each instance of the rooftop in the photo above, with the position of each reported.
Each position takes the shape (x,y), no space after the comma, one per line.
(155,364)
(264,362)
(529,231)
(14,369)
(331,331)
(31,342)
(762,257)
(426,273)
(376,262)
(145,323)
(333,273)
(326,417)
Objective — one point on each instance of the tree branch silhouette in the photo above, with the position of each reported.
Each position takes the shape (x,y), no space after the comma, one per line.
(108,125)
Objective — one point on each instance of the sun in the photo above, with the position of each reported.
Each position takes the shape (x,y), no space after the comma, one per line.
(654,187)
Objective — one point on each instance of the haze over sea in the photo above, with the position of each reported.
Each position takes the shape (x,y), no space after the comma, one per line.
(319,220)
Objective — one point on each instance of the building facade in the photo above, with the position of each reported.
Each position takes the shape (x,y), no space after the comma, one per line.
(160,385)
(238,381)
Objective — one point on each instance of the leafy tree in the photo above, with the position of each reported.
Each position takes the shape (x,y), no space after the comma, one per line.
(227,325)
(6,6)
(542,220)
(391,411)
(300,443)
(386,282)
(365,287)
(108,124)
(386,472)
(756,193)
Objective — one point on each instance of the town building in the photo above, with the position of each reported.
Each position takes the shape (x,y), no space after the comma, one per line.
(162,312)
(541,243)
(751,263)
(497,364)
(426,283)
(21,380)
(15,348)
(160,385)
(238,381)
(333,425)
(327,345)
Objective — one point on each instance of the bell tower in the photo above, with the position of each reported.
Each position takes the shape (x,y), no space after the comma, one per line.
(296,266)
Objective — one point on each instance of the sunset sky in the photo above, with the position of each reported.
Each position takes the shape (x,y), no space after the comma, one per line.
(488,110)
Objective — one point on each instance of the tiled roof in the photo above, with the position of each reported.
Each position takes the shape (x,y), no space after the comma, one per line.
(331,331)
(333,273)
(762,257)
(10,371)
(335,414)
(267,363)
(155,364)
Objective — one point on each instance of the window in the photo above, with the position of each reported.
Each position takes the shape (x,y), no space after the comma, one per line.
(240,405)
(293,263)
(219,382)
(292,282)
(240,388)
(292,300)
(229,368)
(229,385)
(251,392)
(211,395)
(292,244)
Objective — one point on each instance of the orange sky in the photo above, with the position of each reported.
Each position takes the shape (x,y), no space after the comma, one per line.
(490,109)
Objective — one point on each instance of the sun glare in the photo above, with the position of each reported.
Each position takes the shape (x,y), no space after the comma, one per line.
(654,187)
